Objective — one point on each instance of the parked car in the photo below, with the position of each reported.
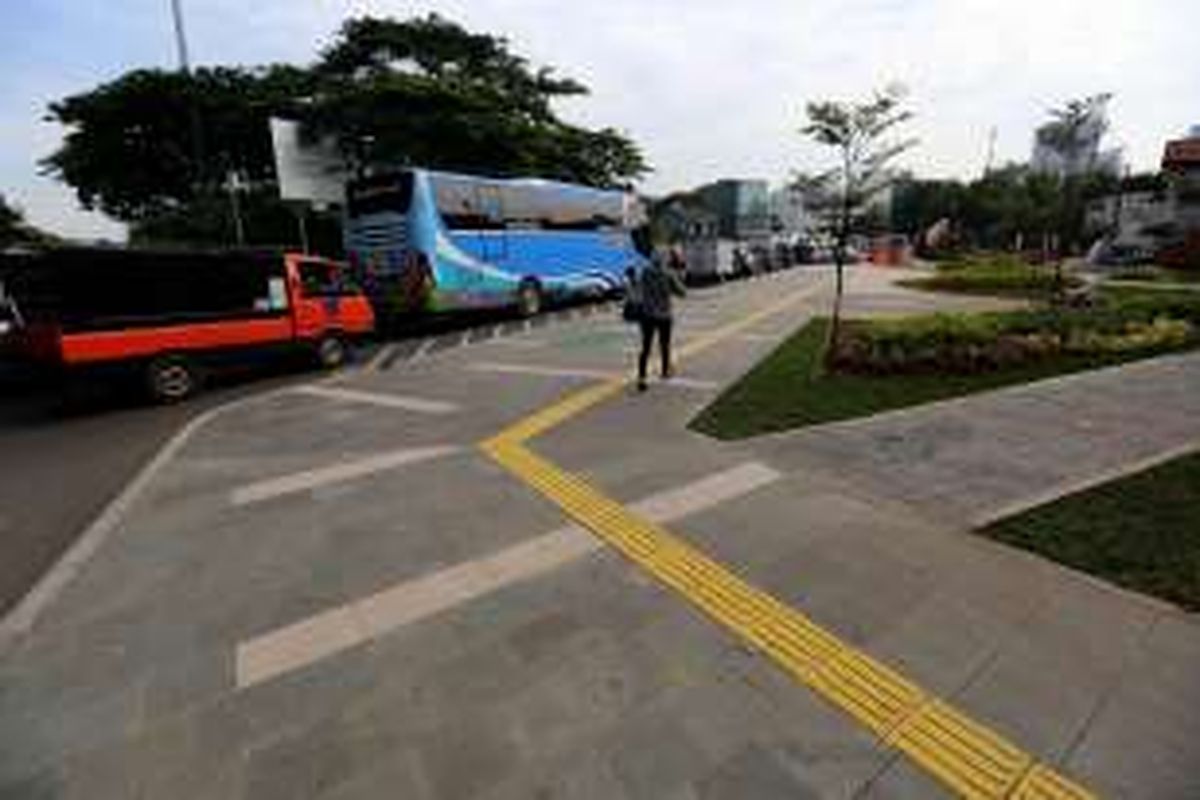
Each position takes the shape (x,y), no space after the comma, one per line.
(1125,255)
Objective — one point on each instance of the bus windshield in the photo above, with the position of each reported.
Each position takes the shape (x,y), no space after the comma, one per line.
(392,192)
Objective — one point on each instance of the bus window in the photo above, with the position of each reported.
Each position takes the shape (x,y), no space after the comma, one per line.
(466,203)
(556,206)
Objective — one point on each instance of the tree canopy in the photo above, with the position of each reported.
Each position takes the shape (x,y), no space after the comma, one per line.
(14,230)
(150,142)
(1019,203)
(10,221)
(152,145)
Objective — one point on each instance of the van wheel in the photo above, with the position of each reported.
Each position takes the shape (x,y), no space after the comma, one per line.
(171,379)
(331,352)
(529,298)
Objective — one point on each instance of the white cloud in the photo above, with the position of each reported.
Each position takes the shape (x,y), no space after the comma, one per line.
(713,88)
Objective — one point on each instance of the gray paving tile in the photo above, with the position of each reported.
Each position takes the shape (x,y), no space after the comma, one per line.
(652,756)
(321,757)
(754,773)
(468,755)
(902,780)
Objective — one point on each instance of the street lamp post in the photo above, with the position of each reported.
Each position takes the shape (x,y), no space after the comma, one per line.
(180,35)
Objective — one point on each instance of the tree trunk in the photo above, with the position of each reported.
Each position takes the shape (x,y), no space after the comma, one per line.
(835,321)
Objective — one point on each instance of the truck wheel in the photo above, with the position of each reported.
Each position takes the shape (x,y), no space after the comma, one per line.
(171,379)
(529,298)
(331,352)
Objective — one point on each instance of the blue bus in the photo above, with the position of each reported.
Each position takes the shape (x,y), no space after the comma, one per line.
(430,241)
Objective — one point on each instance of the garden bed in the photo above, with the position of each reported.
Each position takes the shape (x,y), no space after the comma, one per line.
(996,275)
(887,364)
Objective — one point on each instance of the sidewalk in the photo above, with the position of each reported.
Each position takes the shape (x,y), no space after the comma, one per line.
(867,536)
(973,459)
(335,594)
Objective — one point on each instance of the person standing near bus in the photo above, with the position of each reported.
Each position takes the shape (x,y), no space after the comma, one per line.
(656,286)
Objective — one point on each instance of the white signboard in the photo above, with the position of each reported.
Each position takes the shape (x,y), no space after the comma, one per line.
(312,172)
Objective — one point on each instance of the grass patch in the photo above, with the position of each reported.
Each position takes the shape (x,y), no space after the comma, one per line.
(790,388)
(1155,274)
(1139,532)
(997,275)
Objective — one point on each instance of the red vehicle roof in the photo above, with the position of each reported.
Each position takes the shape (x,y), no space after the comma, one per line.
(1181,153)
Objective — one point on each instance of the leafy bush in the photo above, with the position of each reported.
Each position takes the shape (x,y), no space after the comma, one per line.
(974,343)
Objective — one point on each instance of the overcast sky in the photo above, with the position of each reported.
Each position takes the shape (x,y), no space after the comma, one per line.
(709,88)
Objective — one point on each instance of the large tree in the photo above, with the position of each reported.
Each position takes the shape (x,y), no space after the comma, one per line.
(152,142)
(426,91)
(153,148)
(858,133)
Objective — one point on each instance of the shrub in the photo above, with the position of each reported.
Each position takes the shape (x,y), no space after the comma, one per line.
(973,343)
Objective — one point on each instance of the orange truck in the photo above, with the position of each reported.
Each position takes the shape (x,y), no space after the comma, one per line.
(170,316)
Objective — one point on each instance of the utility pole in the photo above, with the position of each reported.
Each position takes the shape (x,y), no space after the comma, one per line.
(180,37)
(234,185)
(201,188)
(991,151)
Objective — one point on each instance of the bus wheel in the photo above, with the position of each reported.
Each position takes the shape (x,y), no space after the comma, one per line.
(529,298)
(331,352)
(171,379)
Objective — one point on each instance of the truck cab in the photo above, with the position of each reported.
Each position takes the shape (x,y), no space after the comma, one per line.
(328,306)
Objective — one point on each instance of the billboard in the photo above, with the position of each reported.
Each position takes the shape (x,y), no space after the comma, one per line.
(313,173)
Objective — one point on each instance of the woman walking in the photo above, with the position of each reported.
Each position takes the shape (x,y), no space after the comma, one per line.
(654,290)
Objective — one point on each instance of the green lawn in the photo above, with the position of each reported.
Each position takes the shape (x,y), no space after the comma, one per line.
(786,390)
(1156,274)
(1141,532)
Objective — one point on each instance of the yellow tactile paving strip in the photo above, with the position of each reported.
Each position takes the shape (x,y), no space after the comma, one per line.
(965,756)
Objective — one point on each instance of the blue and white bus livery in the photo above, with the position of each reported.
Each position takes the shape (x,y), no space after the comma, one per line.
(434,241)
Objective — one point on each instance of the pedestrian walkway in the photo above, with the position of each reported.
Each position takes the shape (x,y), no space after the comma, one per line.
(981,457)
(432,627)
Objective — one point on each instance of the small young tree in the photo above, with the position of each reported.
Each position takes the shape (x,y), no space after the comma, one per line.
(1073,135)
(859,133)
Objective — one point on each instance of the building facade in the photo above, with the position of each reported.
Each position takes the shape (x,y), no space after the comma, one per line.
(1164,222)
(742,207)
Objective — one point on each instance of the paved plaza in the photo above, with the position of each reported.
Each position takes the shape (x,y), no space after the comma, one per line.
(496,571)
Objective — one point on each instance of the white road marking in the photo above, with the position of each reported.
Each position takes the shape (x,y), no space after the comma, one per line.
(422,350)
(21,619)
(404,402)
(543,371)
(377,361)
(756,337)
(335,473)
(575,372)
(310,640)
